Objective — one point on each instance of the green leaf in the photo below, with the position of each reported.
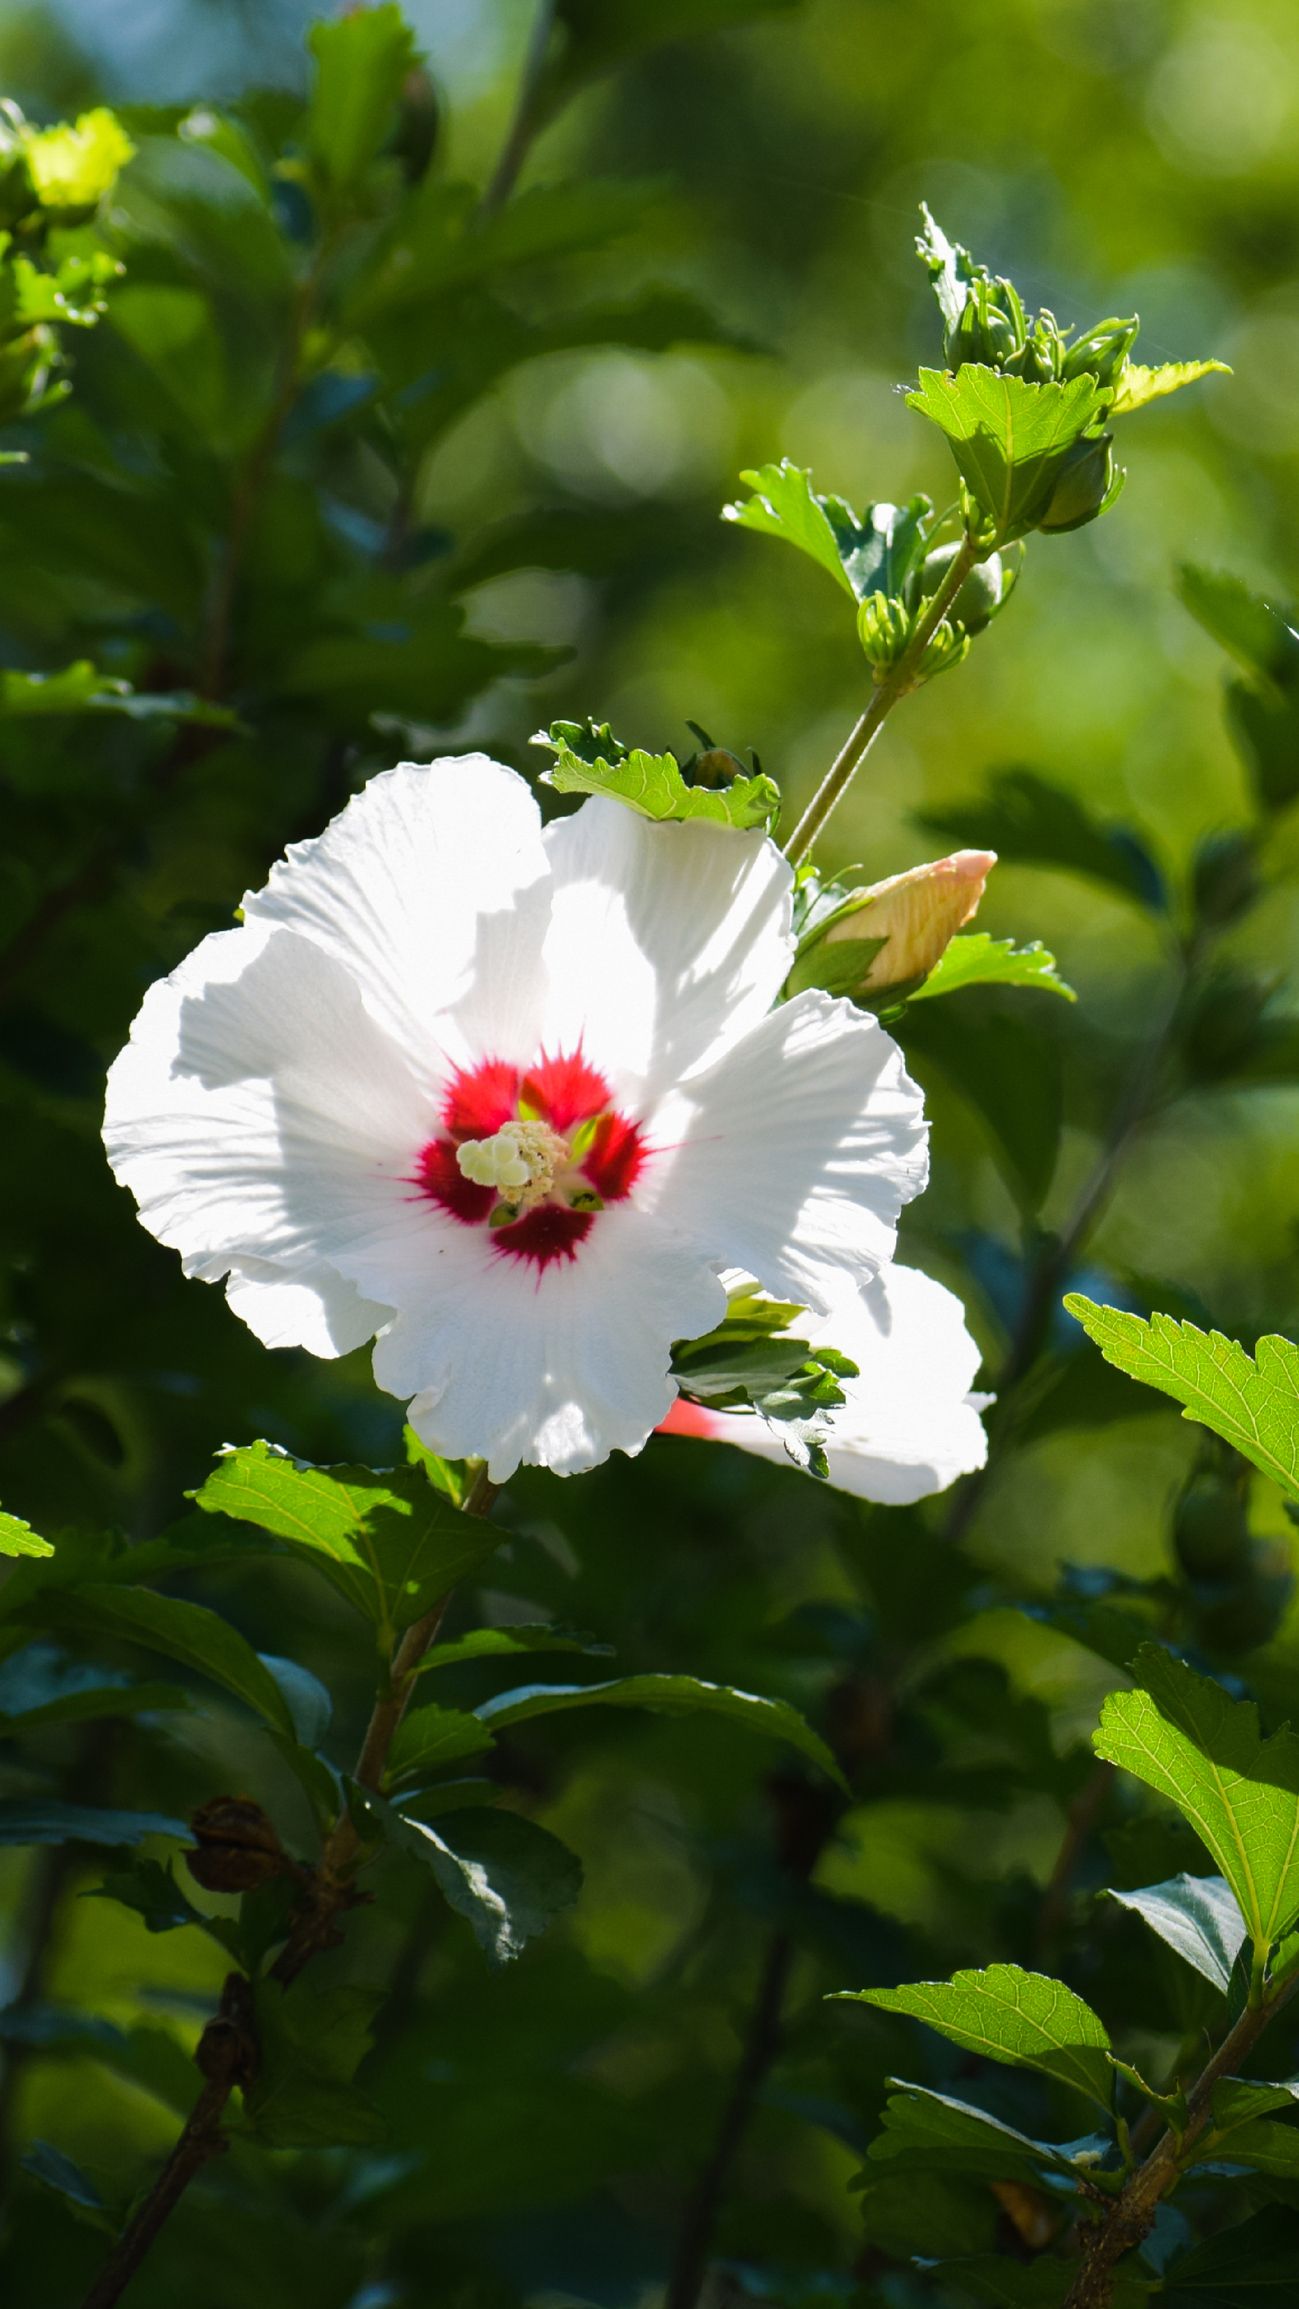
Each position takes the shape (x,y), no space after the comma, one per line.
(305,1697)
(310,2048)
(1263,2144)
(1252,1402)
(1250,2265)
(930,2131)
(1022,2018)
(873,553)
(1001,1065)
(189,1632)
(509,1642)
(653,784)
(428,1738)
(43,1820)
(978,960)
(39,1686)
(1199,1916)
(58,2173)
(18,1538)
(1030,822)
(1260,634)
(505,1875)
(150,1889)
(83,689)
(1182,1735)
(1137,386)
(670,1695)
(388,1540)
(362,62)
(1009,438)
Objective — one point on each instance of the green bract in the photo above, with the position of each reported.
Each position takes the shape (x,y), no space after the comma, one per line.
(590,760)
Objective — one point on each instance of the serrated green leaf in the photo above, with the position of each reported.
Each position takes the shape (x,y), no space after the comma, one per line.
(188,1632)
(506,1876)
(1009,438)
(388,1540)
(670,1695)
(18,1538)
(1138,386)
(362,61)
(427,1738)
(871,553)
(150,1889)
(653,785)
(43,1820)
(1022,2018)
(1251,1401)
(1199,1916)
(1182,1735)
(978,960)
(310,2046)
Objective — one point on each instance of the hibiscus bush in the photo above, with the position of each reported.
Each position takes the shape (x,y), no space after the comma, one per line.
(610,1123)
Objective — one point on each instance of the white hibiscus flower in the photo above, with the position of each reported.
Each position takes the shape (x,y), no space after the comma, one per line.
(908,1425)
(511,1099)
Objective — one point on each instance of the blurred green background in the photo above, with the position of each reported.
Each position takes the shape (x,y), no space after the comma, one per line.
(1114,156)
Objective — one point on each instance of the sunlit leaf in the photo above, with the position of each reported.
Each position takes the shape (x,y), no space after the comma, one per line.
(1251,1401)
(979,960)
(1183,1736)
(1023,2018)
(1009,438)
(1199,1916)
(1138,386)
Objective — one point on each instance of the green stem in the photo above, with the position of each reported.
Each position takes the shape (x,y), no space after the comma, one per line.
(896,682)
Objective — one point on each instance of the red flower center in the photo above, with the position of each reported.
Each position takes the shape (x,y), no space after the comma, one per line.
(605,1154)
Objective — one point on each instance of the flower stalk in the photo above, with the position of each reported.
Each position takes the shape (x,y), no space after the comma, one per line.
(896,682)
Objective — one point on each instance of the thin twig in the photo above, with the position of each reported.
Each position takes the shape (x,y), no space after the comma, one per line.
(1130,2217)
(895,684)
(227,2049)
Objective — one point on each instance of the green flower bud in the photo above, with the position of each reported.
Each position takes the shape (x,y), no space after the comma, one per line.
(1086,486)
(986,590)
(1103,352)
(1211,1528)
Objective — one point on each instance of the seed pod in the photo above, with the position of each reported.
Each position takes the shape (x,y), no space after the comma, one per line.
(236,1847)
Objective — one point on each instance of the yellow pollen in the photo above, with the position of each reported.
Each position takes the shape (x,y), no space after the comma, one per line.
(520,1161)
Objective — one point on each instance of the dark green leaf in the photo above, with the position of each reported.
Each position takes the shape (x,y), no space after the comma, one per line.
(1002,1066)
(929,2130)
(54,2171)
(43,1820)
(507,1876)
(310,2047)
(670,1695)
(428,1738)
(1030,822)
(189,1632)
(40,1686)
(508,1642)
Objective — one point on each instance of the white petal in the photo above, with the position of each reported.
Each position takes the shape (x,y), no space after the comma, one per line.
(665,942)
(554,1367)
(909,1424)
(322,1313)
(431,887)
(793,1156)
(260,1116)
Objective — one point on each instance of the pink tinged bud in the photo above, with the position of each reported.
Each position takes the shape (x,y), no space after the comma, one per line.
(917,914)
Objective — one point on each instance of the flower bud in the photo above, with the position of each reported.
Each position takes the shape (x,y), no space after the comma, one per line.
(887,938)
(236,1847)
(985,591)
(1102,353)
(1085,486)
